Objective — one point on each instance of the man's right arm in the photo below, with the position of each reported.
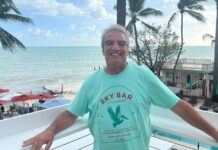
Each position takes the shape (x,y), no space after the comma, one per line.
(63,121)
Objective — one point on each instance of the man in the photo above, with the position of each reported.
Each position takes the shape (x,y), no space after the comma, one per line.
(118,100)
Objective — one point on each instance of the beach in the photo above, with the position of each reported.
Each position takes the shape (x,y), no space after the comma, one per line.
(62,68)
(53,66)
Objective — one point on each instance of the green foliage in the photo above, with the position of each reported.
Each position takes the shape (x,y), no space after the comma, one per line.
(156,47)
(209,37)
(136,12)
(9,12)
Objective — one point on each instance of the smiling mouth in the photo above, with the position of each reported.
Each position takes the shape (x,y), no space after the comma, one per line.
(115,54)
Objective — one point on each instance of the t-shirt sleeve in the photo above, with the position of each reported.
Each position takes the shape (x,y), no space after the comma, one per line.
(79,105)
(159,93)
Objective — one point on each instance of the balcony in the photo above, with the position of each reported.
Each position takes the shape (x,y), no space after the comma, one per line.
(15,130)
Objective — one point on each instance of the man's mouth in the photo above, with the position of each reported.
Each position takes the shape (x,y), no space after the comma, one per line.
(115,54)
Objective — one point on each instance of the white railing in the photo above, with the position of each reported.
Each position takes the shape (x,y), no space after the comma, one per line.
(15,130)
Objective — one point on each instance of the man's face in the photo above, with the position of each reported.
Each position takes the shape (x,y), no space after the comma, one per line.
(115,49)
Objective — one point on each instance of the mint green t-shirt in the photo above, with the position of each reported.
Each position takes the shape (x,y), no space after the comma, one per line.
(119,106)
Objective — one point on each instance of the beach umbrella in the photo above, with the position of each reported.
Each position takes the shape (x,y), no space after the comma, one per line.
(4,90)
(2,101)
(23,97)
(8,97)
(43,96)
(26,97)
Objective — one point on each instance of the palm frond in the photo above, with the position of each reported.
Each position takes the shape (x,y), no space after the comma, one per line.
(213,43)
(196,7)
(14,17)
(136,6)
(172,18)
(198,16)
(187,3)
(9,3)
(150,12)
(115,7)
(8,41)
(208,36)
(193,2)
(4,10)
(150,27)
(129,27)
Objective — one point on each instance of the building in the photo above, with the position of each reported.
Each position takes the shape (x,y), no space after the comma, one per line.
(195,71)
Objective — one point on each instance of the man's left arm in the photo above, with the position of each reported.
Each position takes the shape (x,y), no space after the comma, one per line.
(190,115)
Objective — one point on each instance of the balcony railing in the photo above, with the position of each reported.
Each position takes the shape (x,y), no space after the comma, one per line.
(15,130)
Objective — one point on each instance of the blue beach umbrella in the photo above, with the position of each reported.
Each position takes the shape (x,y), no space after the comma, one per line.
(52,103)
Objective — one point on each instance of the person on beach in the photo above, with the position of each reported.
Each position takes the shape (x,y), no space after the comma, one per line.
(118,99)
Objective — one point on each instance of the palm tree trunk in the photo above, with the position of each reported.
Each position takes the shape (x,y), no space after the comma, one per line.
(121,12)
(137,45)
(180,51)
(215,68)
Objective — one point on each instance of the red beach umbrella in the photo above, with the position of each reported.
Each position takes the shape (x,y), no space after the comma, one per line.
(43,96)
(23,97)
(8,97)
(4,90)
(2,101)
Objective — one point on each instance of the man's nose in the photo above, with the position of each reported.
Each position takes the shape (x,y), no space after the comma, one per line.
(115,45)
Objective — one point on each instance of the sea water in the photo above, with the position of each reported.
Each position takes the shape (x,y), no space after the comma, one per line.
(48,66)
(68,66)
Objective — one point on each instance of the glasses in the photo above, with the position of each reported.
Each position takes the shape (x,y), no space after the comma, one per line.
(119,43)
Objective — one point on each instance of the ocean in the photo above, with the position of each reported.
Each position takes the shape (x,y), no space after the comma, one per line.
(53,66)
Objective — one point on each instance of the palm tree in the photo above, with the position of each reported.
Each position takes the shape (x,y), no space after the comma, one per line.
(135,11)
(186,7)
(210,37)
(121,12)
(215,68)
(8,41)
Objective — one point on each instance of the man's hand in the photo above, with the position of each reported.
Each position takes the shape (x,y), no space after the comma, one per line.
(45,137)
(216,135)
(190,115)
(63,121)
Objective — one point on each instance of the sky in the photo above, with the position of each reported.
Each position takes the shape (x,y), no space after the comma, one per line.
(81,22)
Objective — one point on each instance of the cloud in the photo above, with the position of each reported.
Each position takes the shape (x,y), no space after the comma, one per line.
(89,27)
(170,2)
(51,7)
(44,33)
(98,11)
(72,27)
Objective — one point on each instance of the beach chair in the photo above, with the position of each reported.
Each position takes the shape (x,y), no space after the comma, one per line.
(215,107)
(206,105)
(215,98)
(193,101)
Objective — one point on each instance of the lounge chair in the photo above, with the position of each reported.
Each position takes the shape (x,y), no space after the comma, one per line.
(193,101)
(215,107)
(206,105)
(215,98)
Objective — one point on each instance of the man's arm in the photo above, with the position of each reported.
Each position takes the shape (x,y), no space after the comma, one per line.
(63,121)
(190,115)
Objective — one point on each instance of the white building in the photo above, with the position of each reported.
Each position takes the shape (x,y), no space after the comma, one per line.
(196,70)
